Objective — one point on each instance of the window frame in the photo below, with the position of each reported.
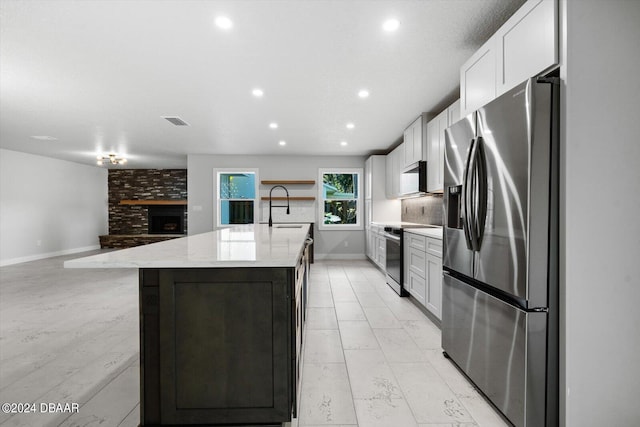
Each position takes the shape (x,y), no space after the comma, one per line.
(217,199)
(359,225)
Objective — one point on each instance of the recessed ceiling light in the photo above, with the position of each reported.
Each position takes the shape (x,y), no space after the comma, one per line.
(44,138)
(223,22)
(391,25)
(282,143)
(363,93)
(257,92)
(343,143)
(350,126)
(273,125)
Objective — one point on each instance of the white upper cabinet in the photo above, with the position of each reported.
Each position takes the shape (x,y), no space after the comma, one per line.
(478,78)
(525,46)
(394,167)
(378,207)
(414,147)
(454,112)
(435,146)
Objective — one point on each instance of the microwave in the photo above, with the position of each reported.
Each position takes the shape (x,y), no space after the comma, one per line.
(413,181)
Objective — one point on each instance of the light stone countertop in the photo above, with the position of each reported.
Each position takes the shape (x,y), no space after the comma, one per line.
(435,233)
(253,245)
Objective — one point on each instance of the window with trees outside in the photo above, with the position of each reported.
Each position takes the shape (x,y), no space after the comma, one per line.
(236,197)
(340,199)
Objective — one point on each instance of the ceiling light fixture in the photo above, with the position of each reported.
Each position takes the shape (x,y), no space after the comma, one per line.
(343,143)
(257,92)
(111,158)
(282,143)
(363,93)
(223,22)
(350,126)
(273,125)
(391,25)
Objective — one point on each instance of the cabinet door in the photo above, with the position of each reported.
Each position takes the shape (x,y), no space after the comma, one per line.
(397,172)
(408,146)
(433,141)
(478,79)
(225,346)
(368,177)
(435,167)
(417,287)
(454,112)
(371,245)
(527,44)
(389,175)
(443,124)
(433,297)
(418,149)
(381,251)
(394,167)
(413,149)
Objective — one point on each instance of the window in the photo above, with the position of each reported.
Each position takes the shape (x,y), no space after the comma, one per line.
(236,197)
(340,199)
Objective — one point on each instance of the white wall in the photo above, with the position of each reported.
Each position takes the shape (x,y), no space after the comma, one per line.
(49,207)
(600,265)
(200,181)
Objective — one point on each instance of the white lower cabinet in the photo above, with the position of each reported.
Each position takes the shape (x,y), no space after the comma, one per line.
(377,245)
(423,270)
(433,297)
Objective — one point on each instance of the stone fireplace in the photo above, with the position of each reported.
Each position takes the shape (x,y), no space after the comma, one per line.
(145,206)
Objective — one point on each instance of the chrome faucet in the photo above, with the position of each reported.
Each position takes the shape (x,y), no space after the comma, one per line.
(277,206)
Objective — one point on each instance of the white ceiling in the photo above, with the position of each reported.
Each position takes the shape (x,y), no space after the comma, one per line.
(98,75)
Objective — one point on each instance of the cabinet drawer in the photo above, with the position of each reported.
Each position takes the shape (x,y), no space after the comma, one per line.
(434,247)
(416,241)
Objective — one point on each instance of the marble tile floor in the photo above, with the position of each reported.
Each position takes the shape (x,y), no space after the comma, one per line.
(371,358)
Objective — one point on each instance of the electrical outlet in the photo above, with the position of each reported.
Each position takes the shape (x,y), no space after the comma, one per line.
(346,244)
(38,242)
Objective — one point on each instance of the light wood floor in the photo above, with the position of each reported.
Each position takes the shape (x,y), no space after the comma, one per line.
(370,358)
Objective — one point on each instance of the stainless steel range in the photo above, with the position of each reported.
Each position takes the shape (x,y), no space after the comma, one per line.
(394,260)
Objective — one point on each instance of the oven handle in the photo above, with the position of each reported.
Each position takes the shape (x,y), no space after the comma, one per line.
(392,237)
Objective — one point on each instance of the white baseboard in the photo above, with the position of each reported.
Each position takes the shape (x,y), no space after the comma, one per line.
(339,256)
(36,257)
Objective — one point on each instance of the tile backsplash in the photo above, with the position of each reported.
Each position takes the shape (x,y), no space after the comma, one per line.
(423,210)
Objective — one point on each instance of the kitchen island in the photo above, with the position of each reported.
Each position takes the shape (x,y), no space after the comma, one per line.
(221,318)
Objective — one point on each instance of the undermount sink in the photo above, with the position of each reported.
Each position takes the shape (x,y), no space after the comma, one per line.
(288,226)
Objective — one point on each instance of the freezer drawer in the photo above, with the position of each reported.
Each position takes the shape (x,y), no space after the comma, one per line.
(501,348)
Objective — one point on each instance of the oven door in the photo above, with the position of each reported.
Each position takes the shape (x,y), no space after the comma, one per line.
(394,262)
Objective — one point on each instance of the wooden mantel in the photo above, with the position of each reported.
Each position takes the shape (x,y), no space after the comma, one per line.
(174,202)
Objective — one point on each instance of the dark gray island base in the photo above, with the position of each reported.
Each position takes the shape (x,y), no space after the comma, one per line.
(221,321)
(220,346)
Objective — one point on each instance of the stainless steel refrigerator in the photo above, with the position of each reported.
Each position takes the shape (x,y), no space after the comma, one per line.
(500,259)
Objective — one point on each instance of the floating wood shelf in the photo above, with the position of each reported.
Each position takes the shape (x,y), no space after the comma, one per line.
(288,181)
(153,202)
(290,198)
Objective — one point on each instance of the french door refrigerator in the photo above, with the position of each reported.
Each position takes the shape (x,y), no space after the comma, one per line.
(500,260)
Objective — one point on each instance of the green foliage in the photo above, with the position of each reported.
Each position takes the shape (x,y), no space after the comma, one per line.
(343,182)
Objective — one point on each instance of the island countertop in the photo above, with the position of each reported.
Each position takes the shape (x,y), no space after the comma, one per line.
(252,245)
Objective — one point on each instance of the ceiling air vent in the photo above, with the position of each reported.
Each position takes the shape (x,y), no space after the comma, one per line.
(177,121)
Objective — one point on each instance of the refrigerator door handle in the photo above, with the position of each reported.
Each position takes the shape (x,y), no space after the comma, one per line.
(466,209)
(472,195)
(482,192)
